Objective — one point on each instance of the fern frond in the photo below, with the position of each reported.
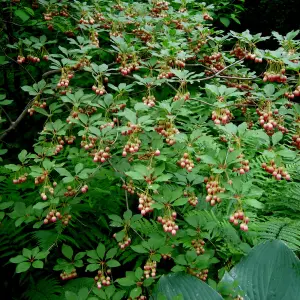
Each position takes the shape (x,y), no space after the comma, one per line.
(283,229)
(46,289)
(146,227)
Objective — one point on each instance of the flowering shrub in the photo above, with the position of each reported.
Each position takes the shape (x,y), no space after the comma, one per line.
(167,146)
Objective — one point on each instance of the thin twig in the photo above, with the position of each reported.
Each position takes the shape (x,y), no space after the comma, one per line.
(18,120)
(123,180)
(198,65)
(238,78)
(221,71)
(137,233)
(8,117)
(51,72)
(18,64)
(171,86)
(126,199)
(204,102)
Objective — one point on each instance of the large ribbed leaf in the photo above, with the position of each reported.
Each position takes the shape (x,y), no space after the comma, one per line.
(187,286)
(271,271)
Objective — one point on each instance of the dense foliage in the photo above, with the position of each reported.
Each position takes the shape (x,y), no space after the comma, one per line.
(160,145)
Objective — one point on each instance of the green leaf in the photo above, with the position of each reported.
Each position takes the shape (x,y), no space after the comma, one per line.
(68,179)
(41,255)
(135,175)
(22,15)
(127,215)
(78,168)
(139,249)
(138,273)
(27,253)
(18,259)
(189,287)
(116,218)
(164,177)
(100,250)
(208,160)
(287,153)
(92,267)
(70,296)
(276,267)
(5,205)
(35,251)
(180,201)
(22,156)
(277,137)
(269,89)
(41,205)
(83,293)
(23,267)
(225,21)
(126,281)
(118,295)
(3,60)
(112,263)
(38,264)
(254,203)
(12,167)
(111,253)
(63,172)
(67,251)
(79,255)
(135,292)
(129,115)
(92,254)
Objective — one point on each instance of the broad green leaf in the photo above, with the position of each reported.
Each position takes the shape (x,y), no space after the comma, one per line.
(287,153)
(135,175)
(254,203)
(92,267)
(127,215)
(22,156)
(70,296)
(180,201)
(41,205)
(126,281)
(111,253)
(100,250)
(79,255)
(187,286)
(27,253)
(23,267)
(12,167)
(135,292)
(112,263)
(22,15)
(208,160)
(83,293)
(67,251)
(78,168)
(277,137)
(225,21)
(269,89)
(41,255)
(18,259)
(164,177)
(5,205)
(118,295)
(63,172)
(269,271)
(139,249)
(38,264)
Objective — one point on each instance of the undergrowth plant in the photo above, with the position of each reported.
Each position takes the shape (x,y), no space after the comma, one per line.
(165,146)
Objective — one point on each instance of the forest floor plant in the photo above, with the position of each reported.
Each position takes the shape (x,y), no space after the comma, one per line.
(165,146)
